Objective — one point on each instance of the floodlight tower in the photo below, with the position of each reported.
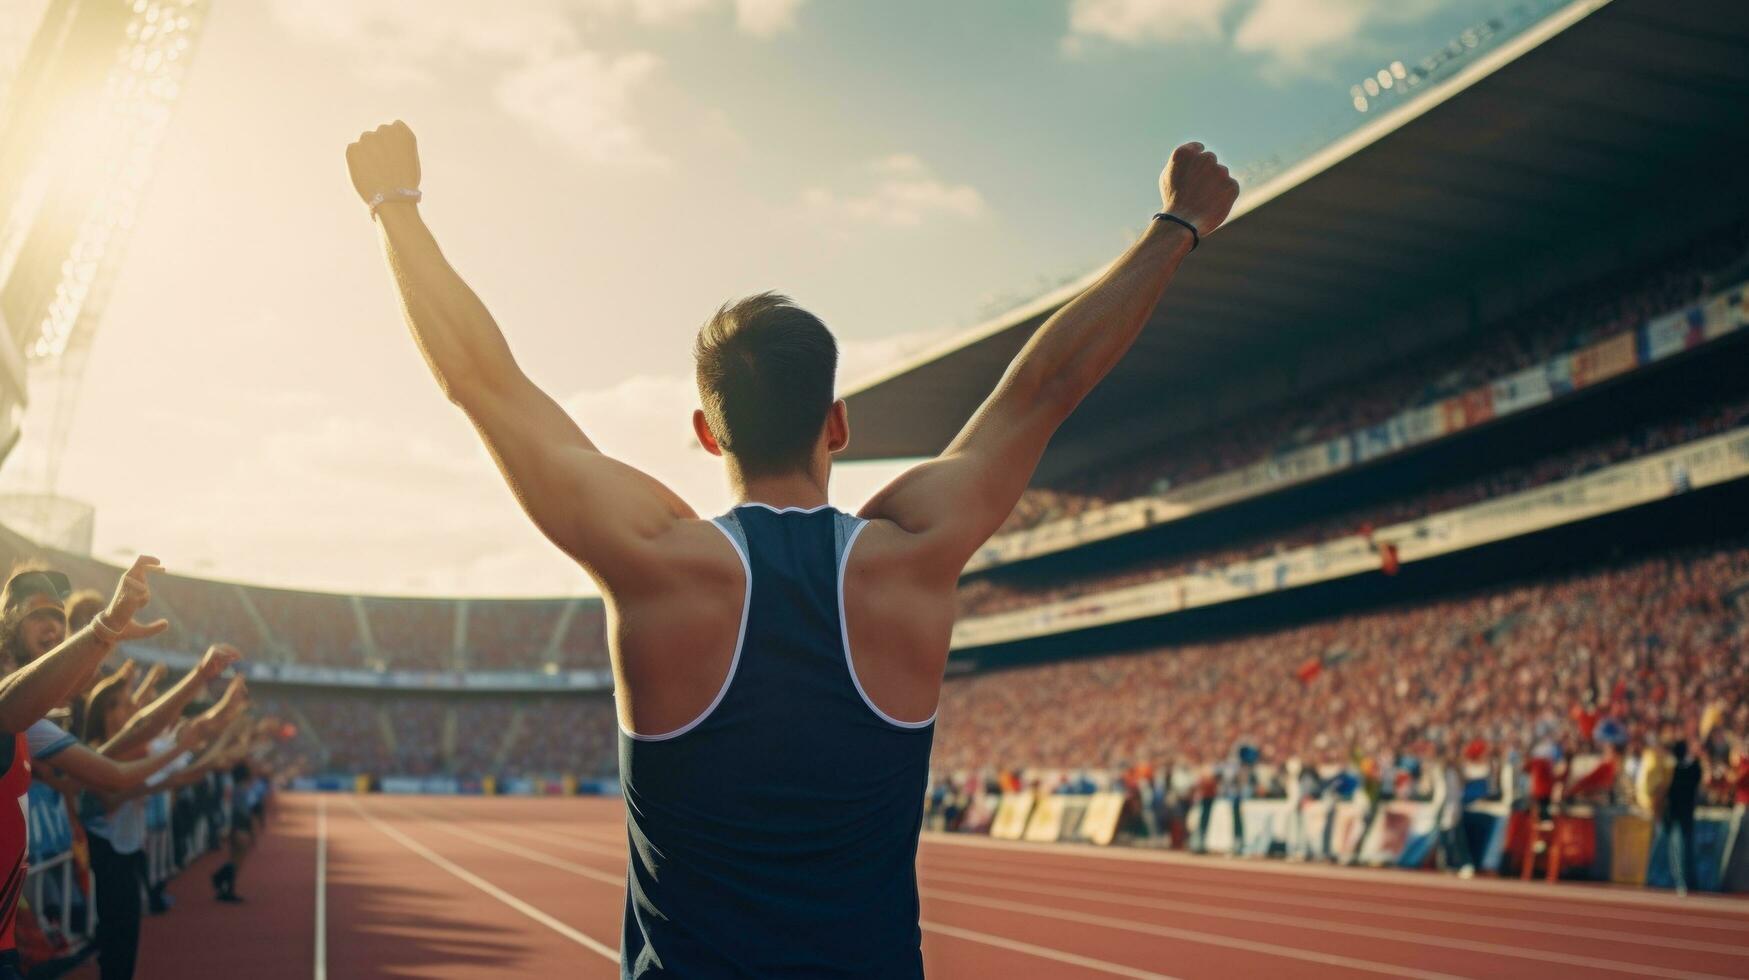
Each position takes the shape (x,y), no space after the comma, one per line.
(86,89)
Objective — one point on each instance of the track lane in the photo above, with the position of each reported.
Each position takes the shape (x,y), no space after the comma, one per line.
(1589,899)
(1061,912)
(1425,946)
(550,860)
(1393,934)
(267,937)
(1673,931)
(1209,956)
(394,912)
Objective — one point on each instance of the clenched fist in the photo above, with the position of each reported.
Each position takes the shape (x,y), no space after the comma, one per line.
(218,657)
(1196,187)
(384,161)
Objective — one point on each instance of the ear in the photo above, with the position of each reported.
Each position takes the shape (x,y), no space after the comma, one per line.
(702,430)
(837,427)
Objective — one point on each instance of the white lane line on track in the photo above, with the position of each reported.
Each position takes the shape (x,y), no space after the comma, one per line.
(321,888)
(486,886)
(1186,886)
(1535,891)
(1319,896)
(593,874)
(582,870)
(604,850)
(1341,928)
(1187,935)
(1311,893)
(1043,952)
(1324,903)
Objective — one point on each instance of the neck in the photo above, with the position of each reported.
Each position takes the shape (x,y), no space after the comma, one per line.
(779,490)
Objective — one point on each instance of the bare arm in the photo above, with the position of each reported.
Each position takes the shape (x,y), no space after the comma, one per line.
(954,502)
(210,758)
(148,689)
(162,713)
(597,509)
(29,693)
(106,775)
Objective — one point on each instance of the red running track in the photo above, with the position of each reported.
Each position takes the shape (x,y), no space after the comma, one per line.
(478,886)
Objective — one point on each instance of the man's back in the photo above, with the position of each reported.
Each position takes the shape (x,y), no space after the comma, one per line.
(775,832)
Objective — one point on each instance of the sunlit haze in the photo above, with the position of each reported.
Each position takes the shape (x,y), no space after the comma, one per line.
(604,174)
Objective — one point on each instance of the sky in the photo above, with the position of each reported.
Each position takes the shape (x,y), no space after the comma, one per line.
(605,173)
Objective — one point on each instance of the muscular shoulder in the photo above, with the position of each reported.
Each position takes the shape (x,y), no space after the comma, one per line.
(898,621)
(687,554)
(884,549)
(896,569)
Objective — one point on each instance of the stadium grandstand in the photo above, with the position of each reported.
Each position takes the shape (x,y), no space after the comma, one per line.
(381,687)
(1442,394)
(1443,447)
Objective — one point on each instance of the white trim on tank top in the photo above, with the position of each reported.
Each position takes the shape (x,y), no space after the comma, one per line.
(784,510)
(849,662)
(740,638)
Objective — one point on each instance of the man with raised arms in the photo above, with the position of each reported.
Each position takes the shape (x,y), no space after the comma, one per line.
(776,668)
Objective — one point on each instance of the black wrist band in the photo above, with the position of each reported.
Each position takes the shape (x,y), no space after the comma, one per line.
(1195,239)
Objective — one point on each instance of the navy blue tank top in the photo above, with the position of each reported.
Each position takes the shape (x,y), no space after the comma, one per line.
(776,834)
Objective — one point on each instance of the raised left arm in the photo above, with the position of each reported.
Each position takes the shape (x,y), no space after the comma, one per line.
(599,510)
(162,713)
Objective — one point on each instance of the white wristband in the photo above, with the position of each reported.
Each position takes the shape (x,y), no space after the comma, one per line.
(104,631)
(381,198)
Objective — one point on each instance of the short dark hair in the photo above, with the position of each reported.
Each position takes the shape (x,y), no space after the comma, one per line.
(766,375)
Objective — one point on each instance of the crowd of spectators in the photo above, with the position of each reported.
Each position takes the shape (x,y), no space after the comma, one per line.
(312,628)
(339,728)
(320,629)
(982,596)
(417,734)
(413,634)
(480,724)
(511,635)
(1649,645)
(1567,321)
(565,736)
(585,642)
(146,774)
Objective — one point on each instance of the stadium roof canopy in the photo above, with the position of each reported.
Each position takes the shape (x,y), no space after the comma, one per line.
(1587,125)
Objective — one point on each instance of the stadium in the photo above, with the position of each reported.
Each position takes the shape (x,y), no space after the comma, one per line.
(1415,524)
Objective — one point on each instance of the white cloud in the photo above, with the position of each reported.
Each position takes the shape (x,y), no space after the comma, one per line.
(860,358)
(405,38)
(763,18)
(1144,21)
(584,102)
(1289,35)
(901,192)
(656,13)
(546,77)
(760,18)
(1293,34)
